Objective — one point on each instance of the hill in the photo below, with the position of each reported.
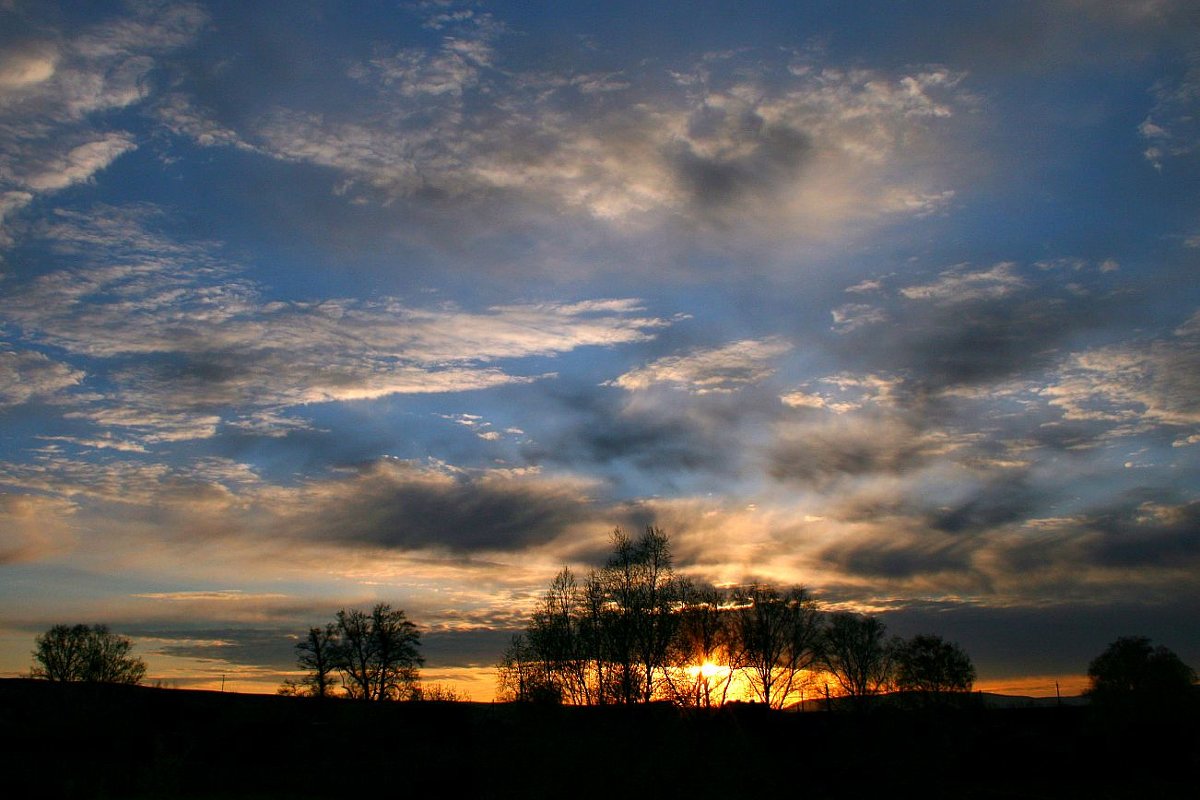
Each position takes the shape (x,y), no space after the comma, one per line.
(92,741)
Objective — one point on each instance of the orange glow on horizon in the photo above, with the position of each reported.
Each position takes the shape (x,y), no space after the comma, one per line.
(478,684)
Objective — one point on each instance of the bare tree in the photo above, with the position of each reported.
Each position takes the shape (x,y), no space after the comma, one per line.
(318,652)
(82,653)
(779,635)
(556,637)
(855,650)
(641,593)
(702,661)
(522,676)
(596,614)
(658,592)
(608,640)
(377,653)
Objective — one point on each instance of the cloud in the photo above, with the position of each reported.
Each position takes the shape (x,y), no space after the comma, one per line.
(481,427)
(75,166)
(400,505)
(33,527)
(974,327)
(1171,129)
(816,452)
(207,343)
(716,370)
(1151,532)
(27,375)
(387,504)
(852,316)
(845,392)
(1155,383)
(52,89)
(961,285)
(779,150)
(965,351)
(656,438)
(26,64)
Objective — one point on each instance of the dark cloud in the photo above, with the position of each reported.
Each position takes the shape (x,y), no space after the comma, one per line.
(601,429)
(257,647)
(1148,533)
(913,539)
(776,154)
(900,554)
(857,445)
(1002,501)
(974,327)
(397,505)
(985,341)
(481,647)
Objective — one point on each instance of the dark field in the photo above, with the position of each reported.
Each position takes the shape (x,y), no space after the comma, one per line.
(93,741)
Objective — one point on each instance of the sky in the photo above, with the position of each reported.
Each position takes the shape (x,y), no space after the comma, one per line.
(312,305)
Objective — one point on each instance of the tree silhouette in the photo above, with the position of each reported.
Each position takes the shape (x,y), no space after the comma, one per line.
(779,636)
(609,640)
(641,591)
(703,658)
(377,653)
(929,664)
(82,653)
(319,652)
(855,650)
(1131,672)
(523,678)
(556,634)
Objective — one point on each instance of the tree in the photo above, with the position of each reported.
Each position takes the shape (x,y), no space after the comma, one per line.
(931,665)
(779,635)
(634,597)
(318,652)
(857,653)
(609,640)
(82,653)
(702,663)
(648,604)
(1132,672)
(522,678)
(377,653)
(556,639)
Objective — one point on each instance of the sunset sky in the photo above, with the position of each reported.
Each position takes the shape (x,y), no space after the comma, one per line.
(312,305)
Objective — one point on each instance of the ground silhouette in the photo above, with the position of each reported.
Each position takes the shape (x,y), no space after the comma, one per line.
(93,741)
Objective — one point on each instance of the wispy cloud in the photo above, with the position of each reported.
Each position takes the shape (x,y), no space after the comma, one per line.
(716,370)
(209,343)
(26,375)
(962,285)
(53,89)
(1156,383)
(787,150)
(1171,130)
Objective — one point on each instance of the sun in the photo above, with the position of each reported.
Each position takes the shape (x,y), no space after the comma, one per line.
(708,670)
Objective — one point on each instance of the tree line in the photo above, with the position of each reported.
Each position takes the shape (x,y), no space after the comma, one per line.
(634,631)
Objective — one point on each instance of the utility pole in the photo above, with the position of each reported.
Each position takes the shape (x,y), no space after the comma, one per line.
(222,681)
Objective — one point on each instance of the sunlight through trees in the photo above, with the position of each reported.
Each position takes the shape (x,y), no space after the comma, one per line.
(634,632)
